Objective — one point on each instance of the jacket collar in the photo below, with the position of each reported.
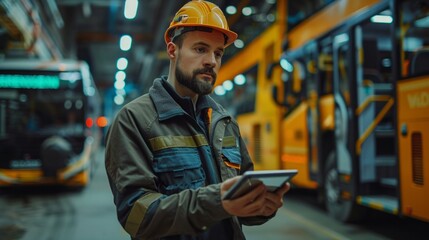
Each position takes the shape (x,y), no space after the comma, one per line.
(169,104)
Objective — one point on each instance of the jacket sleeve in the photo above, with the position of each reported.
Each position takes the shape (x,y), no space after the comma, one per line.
(141,209)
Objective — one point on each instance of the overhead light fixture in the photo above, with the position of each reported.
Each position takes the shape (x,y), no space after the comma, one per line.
(86,8)
(231,10)
(122,63)
(238,43)
(240,79)
(227,85)
(119,85)
(130,9)
(271,17)
(247,11)
(120,92)
(219,90)
(120,76)
(125,42)
(119,99)
(286,65)
(342,38)
(381,19)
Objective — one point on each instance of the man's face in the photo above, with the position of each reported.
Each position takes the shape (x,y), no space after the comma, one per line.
(199,60)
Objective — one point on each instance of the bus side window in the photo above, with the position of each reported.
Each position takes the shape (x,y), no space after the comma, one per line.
(371,61)
(419,61)
(325,66)
(414,37)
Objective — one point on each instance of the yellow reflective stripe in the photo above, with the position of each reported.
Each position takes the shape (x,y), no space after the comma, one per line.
(164,142)
(229,141)
(138,212)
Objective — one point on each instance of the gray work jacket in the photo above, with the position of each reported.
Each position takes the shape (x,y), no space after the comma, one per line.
(165,170)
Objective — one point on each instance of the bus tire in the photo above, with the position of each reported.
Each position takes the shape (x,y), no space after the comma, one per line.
(344,210)
(56,153)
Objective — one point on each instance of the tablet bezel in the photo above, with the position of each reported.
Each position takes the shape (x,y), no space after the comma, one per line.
(251,179)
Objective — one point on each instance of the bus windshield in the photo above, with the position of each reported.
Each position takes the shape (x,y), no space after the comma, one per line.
(41,103)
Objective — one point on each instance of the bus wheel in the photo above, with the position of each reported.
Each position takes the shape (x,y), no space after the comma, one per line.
(344,210)
(56,153)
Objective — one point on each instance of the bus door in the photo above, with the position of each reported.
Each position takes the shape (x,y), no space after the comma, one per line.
(313,118)
(341,63)
(375,145)
(301,140)
(340,178)
(295,137)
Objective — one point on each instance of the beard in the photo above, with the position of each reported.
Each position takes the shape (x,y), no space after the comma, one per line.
(197,85)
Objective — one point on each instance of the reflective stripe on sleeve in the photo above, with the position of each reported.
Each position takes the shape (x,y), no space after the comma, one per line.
(138,212)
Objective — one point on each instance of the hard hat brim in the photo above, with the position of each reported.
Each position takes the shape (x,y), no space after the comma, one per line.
(231,36)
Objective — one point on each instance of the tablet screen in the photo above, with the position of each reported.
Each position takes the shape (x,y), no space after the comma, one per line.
(272,179)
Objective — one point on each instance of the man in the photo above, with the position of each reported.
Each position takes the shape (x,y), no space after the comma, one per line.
(172,154)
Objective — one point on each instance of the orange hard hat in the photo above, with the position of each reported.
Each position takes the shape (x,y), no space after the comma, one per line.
(199,15)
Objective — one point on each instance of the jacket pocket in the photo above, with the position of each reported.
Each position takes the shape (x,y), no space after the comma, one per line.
(231,157)
(178,169)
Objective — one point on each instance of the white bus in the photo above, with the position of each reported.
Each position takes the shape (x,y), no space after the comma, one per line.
(48,123)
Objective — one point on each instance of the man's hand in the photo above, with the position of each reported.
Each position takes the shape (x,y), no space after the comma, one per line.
(257,202)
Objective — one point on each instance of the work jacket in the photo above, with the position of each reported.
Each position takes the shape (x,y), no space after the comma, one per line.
(165,168)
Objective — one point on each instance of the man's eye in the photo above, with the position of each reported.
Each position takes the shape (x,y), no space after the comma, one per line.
(200,50)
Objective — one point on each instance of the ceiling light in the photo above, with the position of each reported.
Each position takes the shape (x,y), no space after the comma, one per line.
(86,8)
(247,11)
(120,92)
(125,42)
(286,65)
(130,9)
(119,99)
(381,19)
(239,43)
(231,10)
(240,79)
(219,90)
(120,76)
(119,85)
(271,17)
(122,63)
(228,85)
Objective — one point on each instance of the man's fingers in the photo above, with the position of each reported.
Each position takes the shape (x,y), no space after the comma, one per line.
(229,182)
(284,189)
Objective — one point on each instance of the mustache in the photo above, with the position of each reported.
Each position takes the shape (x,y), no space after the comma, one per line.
(207,70)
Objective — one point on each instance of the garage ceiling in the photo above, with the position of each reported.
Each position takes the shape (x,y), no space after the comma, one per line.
(90,30)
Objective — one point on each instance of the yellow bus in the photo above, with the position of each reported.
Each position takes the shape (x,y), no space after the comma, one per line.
(50,119)
(342,96)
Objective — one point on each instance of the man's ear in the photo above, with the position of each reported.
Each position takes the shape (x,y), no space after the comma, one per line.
(171,50)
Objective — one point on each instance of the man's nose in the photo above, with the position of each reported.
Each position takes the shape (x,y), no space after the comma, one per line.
(210,59)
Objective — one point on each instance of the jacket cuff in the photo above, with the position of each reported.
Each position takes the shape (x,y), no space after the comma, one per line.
(211,202)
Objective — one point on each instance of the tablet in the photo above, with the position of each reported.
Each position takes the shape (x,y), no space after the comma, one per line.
(272,179)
